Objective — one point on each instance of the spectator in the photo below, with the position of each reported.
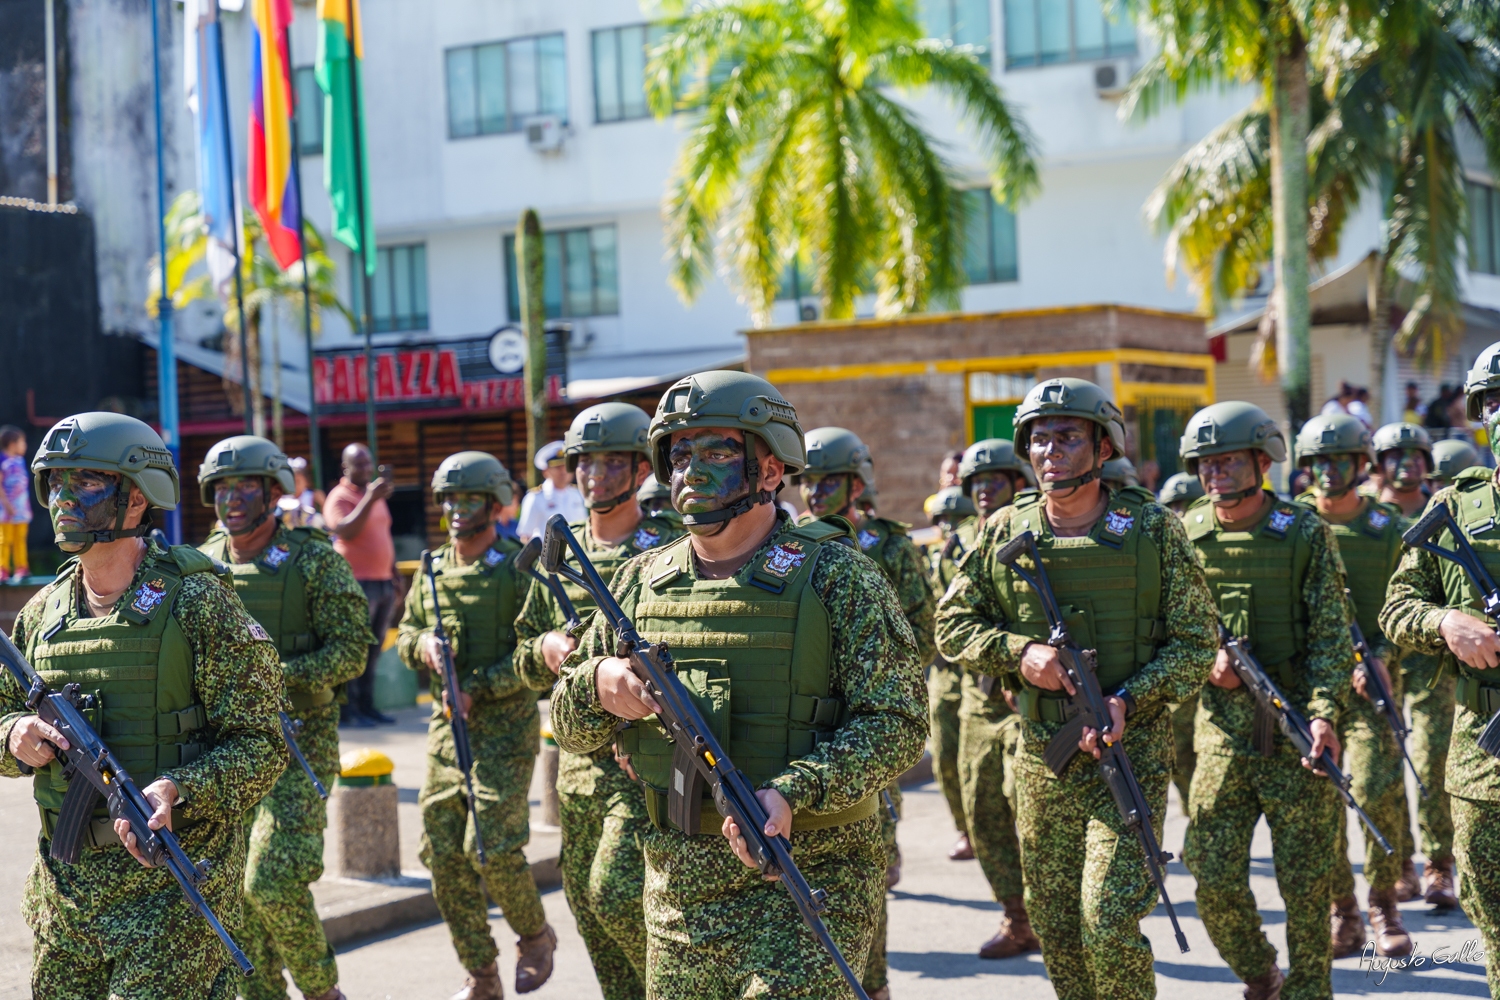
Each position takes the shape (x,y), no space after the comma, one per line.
(1339,403)
(1411,410)
(556,495)
(948,471)
(360,522)
(1437,410)
(303,508)
(505,525)
(1359,407)
(15,505)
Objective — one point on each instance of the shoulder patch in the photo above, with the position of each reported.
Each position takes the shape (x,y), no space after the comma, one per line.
(1378,519)
(493,557)
(785,557)
(867,539)
(1119,521)
(647,537)
(258,632)
(149,595)
(276,555)
(1281,520)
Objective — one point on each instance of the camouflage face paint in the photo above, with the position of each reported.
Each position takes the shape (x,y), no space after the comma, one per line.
(241,503)
(605,476)
(77,501)
(1062,448)
(466,513)
(1404,469)
(1333,475)
(826,495)
(1231,472)
(1492,420)
(991,491)
(708,473)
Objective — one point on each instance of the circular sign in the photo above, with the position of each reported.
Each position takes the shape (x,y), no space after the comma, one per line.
(508,351)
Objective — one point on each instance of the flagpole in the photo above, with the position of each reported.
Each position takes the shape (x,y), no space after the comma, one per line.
(234,223)
(166,354)
(364,250)
(314,446)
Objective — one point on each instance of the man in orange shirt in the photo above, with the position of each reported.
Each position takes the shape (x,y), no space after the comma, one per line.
(360,522)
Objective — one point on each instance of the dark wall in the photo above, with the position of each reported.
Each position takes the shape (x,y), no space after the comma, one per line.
(23,100)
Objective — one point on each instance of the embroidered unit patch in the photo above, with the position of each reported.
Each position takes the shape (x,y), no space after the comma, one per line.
(1281,519)
(1379,519)
(785,557)
(149,596)
(646,538)
(276,555)
(258,633)
(867,539)
(1119,521)
(493,557)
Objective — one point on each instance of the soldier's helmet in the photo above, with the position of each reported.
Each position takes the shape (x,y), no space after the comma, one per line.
(1229,426)
(607,427)
(473,472)
(1119,471)
(727,399)
(652,490)
(1333,434)
(988,455)
(834,450)
(1451,457)
(109,442)
(244,455)
(952,502)
(1069,397)
(1180,488)
(1484,376)
(1402,436)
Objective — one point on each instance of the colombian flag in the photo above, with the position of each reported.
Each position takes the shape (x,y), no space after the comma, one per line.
(273,191)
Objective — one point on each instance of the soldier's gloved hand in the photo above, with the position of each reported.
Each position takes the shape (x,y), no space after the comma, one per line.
(1223,674)
(555,648)
(1089,742)
(31,741)
(1041,668)
(1471,640)
(1324,738)
(621,692)
(161,794)
(778,823)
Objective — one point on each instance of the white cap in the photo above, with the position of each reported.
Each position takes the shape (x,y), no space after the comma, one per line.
(548,453)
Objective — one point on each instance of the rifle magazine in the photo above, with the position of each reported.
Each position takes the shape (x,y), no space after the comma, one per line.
(73,820)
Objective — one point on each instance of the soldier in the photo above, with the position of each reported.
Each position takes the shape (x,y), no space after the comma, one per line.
(1123,570)
(188,688)
(1336,449)
(1119,473)
(481,594)
(1431,607)
(1274,568)
(1403,455)
(603,811)
(1449,458)
(796,646)
(955,515)
(304,594)
(656,500)
(989,729)
(1177,494)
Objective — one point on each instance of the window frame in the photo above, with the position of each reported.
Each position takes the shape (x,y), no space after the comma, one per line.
(652,33)
(513,120)
(315,104)
(995,274)
(1482,241)
(560,262)
(415,261)
(986,49)
(1039,57)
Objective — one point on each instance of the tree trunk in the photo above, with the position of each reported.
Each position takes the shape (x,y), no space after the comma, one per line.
(1379,302)
(533,320)
(1289,125)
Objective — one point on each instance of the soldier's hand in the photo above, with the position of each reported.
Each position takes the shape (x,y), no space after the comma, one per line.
(160,795)
(623,760)
(555,648)
(1223,674)
(778,823)
(1324,738)
(1361,678)
(621,692)
(1042,668)
(32,740)
(464,704)
(1089,743)
(1471,640)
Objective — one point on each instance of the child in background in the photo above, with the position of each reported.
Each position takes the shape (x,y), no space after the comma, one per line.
(15,505)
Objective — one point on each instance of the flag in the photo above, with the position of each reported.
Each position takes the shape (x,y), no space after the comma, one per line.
(272,191)
(345,167)
(206,96)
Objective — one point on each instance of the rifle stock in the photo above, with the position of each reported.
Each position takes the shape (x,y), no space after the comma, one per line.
(526,563)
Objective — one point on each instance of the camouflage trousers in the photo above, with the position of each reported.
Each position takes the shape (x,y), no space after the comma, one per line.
(285,856)
(875,967)
(1229,795)
(1431,728)
(944,695)
(1087,883)
(603,876)
(987,748)
(1476,849)
(1374,763)
(1182,746)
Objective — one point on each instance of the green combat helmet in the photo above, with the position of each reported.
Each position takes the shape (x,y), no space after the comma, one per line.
(1484,376)
(1451,457)
(953,503)
(246,455)
(1069,397)
(1334,434)
(728,399)
(1179,488)
(607,427)
(1404,437)
(834,450)
(473,472)
(988,455)
(1226,427)
(109,442)
(1119,473)
(655,496)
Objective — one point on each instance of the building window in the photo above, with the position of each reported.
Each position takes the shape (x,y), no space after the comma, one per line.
(1043,32)
(1484,228)
(495,87)
(399,289)
(959,22)
(580,274)
(620,71)
(309,112)
(989,239)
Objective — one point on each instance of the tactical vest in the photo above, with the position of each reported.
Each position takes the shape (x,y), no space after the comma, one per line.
(1108,587)
(274,592)
(479,606)
(137,664)
(1370,547)
(1476,512)
(1256,578)
(650,533)
(755,656)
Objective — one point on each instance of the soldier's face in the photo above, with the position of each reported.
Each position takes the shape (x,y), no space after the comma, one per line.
(1231,472)
(1062,448)
(240,502)
(77,500)
(1492,419)
(466,513)
(826,495)
(991,491)
(708,470)
(948,473)
(602,476)
(1334,474)
(1404,469)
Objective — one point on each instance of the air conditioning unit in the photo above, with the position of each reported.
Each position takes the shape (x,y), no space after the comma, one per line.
(807,310)
(1112,78)
(544,133)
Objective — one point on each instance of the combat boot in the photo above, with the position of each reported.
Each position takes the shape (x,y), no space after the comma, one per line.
(1408,886)
(1437,886)
(1266,987)
(534,959)
(961,850)
(1348,928)
(482,984)
(1015,936)
(1391,939)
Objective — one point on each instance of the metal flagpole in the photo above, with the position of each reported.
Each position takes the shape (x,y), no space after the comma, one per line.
(166,355)
(234,223)
(364,272)
(312,387)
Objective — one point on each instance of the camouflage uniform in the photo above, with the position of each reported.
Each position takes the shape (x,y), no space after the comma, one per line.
(479,605)
(944,681)
(1421,594)
(108,926)
(1185,760)
(988,737)
(285,830)
(717,929)
(1087,883)
(603,812)
(1429,680)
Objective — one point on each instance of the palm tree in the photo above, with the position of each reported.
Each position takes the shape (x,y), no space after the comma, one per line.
(799,151)
(265,285)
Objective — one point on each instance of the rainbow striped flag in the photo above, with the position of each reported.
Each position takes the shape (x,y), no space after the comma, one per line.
(273,191)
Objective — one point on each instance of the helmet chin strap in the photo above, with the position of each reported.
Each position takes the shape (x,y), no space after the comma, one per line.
(471,532)
(605,506)
(1068,484)
(744,504)
(1234,495)
(119,531)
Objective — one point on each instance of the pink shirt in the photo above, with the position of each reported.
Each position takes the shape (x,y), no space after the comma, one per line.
(371,553)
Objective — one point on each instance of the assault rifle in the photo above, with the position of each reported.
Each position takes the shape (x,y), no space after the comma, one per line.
(697,757)
(526,563)
(290,730)
(456,719)
(1379,694)
(1270,701)
(92,770)
(1420,536)
(1088,709)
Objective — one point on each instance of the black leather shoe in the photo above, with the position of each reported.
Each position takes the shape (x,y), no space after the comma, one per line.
(381,719)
